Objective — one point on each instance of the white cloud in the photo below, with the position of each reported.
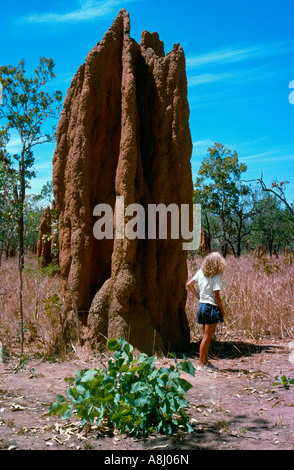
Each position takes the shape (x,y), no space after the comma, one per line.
(89,10)
(244,76)
(202,144)
(230,55)
(37,184)
(43,166)
(258,156)
(65,77)
(265,157)
(207,78)
(14,145)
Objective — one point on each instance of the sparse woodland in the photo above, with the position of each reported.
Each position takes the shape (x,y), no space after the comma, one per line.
(251,224)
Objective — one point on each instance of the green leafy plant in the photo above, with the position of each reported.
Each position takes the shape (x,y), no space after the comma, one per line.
(131,394)
(283,380)
(22,362)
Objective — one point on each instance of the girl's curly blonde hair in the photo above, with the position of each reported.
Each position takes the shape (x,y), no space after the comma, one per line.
(213,264)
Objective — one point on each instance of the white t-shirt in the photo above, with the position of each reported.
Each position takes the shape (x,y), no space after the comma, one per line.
(206,286)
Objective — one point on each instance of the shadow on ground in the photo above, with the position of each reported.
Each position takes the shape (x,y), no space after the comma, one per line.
(230,349)
(213,435)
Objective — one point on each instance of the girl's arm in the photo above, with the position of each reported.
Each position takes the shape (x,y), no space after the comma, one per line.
(218,301)
(191,285)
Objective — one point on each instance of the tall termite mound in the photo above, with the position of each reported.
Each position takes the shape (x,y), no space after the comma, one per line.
(47,245)
(44,241)
(124,131)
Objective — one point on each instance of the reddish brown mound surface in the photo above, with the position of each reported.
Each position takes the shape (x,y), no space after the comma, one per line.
(124,131)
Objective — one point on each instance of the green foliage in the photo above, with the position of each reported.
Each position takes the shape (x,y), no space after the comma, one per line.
(131,394)
(234,215)
(40,272)
(26,109)
(217,184)
(8,211)
(278,188)
(283,380)
(47,192)
(26,105)
(273,225)
(53,308)
(225,201)
(32,219)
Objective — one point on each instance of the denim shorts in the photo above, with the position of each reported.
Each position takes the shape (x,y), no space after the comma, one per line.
(208,314)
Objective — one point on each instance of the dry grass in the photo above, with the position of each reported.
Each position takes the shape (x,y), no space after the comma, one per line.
(258,297)
(42,302)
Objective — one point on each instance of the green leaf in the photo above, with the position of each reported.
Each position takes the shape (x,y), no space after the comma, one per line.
(80,389)
(187,366)
(138,387)
(113,345)
(185,385)
(89,375)
(127,347)
(124,368)
(141,358)
(72,393)
(60,398)
(171,402)
(160,391)
(68,413)
(181,402)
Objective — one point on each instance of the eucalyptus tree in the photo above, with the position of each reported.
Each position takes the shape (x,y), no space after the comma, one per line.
(223,196)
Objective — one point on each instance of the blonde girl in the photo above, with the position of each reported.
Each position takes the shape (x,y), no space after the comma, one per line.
(206,286)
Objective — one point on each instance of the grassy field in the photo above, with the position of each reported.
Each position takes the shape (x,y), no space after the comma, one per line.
(258,297)
(42,305)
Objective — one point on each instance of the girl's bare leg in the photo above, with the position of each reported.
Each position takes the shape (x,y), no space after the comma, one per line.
(208,331)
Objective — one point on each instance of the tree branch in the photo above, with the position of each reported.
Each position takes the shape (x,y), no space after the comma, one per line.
(279,186)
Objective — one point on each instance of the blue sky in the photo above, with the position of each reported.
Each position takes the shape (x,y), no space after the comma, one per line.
(239,57)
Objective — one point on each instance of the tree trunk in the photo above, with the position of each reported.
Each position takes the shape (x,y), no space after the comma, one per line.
(20,270)
(21,200)
(7,248)
(208,232)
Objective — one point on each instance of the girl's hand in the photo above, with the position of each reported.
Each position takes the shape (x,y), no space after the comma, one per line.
(218,301)
(191,285)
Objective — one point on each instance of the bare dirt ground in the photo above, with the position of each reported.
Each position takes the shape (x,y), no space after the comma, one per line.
(236,407)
